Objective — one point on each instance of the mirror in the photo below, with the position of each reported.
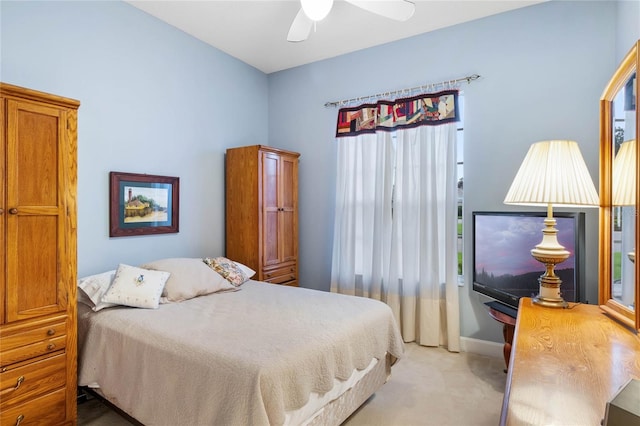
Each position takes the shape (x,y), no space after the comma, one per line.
(619,291)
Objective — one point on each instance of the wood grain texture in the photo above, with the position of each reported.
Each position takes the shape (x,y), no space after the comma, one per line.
(3,209)
(38,226)
(24,383)
(262,211)
(242,201)
(48,409)
(566,364)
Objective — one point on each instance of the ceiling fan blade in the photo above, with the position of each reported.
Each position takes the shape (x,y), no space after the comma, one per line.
(399,10)
(300,28)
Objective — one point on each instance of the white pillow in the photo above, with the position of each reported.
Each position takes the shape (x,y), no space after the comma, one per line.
(247,271)
(136,287)
(93,287)
(189,278)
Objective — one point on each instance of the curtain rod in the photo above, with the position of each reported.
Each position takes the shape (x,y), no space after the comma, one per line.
(468,79)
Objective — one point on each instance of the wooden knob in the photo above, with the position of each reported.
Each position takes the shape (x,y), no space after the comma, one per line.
(13,210)
(19,419)
(51,346)
(51,332)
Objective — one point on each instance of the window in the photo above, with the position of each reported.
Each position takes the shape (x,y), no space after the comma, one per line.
(460,179)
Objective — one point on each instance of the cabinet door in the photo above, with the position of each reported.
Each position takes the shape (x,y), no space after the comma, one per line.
(3,210)
(270,208)
(36,264)
(289,206)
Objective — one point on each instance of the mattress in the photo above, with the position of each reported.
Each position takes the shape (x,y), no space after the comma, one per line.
(266,354)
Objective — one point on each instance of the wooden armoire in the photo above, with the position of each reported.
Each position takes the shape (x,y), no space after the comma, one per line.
(38,355)
(262,211)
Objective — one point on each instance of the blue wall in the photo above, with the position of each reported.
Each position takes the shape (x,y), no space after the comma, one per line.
(543,70)
(153,100)
(627,25)
(157,101)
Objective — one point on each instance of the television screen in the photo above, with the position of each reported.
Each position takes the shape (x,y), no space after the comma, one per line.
(503,267)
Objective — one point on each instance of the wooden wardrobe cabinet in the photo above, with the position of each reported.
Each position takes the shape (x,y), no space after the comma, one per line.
(262,212)
(38,342)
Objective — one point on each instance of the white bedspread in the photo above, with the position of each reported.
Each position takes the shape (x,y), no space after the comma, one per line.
(239,358)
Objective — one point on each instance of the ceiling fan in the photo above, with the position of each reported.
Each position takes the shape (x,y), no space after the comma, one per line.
(312,11)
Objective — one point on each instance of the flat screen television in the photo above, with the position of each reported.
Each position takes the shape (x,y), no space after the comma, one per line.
(503,267)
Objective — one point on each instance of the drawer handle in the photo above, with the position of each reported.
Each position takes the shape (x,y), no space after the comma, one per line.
(19,419)
(18,383)
(51,346)
(13,210)
(13,389)
(51,332)
(268,275)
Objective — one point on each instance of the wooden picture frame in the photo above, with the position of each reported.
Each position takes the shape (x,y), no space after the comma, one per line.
(141,204)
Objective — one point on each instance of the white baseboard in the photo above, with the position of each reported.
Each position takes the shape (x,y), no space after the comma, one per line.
(481,347)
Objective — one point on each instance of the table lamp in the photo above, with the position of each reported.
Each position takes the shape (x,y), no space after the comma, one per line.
(624,179)
(552,173)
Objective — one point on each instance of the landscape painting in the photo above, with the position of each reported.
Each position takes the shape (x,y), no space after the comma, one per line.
(143,204)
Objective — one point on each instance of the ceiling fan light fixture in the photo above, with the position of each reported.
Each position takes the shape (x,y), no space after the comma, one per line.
(316,10)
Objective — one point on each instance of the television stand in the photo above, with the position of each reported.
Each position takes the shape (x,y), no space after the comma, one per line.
(507,316)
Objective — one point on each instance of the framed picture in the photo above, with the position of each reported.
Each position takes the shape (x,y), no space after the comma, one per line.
(142,204)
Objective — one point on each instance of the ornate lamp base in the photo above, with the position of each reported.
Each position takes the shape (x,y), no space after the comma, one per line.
(550,303)
(550,252)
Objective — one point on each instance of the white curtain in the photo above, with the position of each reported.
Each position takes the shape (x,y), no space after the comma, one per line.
(395,231)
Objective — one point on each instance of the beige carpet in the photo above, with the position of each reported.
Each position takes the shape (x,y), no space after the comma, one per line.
(429,386)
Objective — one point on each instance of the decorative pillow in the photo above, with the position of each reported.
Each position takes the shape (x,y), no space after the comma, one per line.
(93,287)
(228,269)
(189,278)
(137,287)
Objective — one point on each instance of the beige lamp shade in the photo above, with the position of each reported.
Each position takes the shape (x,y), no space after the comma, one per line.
(553,173)
(624,174)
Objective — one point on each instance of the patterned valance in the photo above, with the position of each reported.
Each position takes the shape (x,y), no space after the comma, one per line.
(430,109)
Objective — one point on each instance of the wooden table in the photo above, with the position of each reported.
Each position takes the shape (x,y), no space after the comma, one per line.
(508,329)
(566,364)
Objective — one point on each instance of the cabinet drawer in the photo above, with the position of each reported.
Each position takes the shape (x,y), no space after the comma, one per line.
(21,353)
(283,279)
(28,381)
(22,338)
(279,271)
(48,409)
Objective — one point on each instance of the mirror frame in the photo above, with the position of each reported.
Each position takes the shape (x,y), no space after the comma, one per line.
(631,318)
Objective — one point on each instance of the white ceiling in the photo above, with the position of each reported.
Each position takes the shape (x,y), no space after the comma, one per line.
(256,31)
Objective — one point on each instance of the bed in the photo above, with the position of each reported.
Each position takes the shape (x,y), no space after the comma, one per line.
(250,354)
